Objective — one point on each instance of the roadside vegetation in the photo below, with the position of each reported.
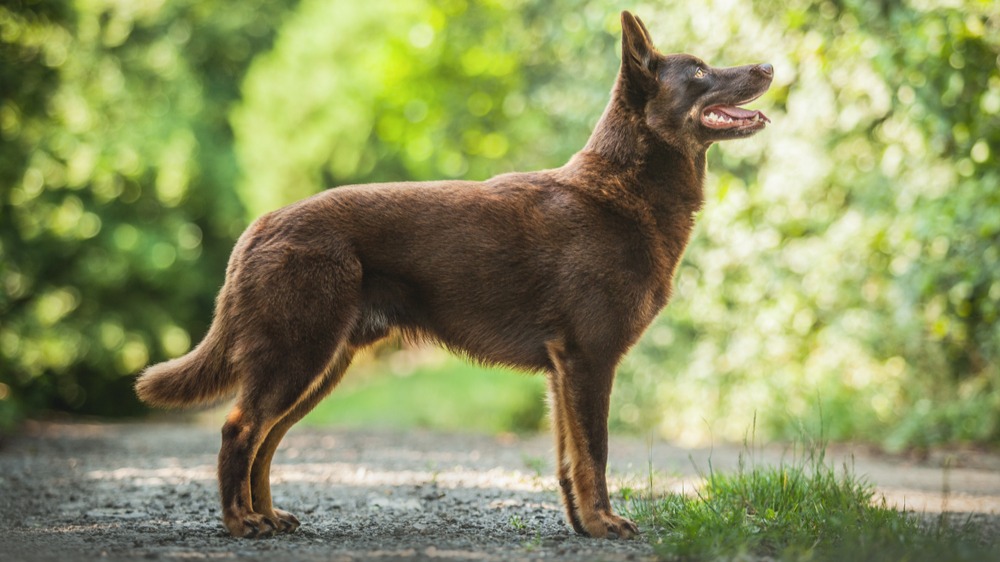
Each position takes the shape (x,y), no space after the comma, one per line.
(427,389)
(802,510)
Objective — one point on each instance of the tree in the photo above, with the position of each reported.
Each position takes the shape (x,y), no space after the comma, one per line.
(846,260)
(117,202)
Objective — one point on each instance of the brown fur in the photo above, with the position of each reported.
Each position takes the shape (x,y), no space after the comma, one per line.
(557,271)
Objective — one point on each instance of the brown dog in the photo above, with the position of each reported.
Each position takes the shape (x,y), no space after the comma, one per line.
(557,271)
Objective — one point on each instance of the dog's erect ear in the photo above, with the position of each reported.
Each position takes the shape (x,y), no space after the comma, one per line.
(637,46)
(638,73)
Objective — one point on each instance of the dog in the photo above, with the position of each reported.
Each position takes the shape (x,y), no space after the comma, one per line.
(557,271)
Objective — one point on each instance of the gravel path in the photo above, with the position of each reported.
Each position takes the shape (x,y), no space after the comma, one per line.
(147,491)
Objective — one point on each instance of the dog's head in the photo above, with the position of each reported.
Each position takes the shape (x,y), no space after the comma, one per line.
(684,101)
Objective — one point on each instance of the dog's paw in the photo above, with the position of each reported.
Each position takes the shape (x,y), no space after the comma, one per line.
(250,526)
(606,525)
(287,523)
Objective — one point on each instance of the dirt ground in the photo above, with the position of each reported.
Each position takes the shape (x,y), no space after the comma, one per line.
(75,491)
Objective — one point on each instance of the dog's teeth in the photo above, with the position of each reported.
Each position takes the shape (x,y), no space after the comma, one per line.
(727,119)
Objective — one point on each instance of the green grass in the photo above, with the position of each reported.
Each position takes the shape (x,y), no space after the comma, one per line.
(805,510)
(449,394)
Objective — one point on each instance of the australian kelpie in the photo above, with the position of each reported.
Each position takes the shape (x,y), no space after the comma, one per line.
(557,271)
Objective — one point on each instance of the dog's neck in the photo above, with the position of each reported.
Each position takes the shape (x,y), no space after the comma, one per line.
(624,151)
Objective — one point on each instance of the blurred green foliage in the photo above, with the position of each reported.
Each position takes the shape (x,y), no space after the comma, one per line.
(846,266)
(116,211)
(854,272)
(409,388)
(441,89)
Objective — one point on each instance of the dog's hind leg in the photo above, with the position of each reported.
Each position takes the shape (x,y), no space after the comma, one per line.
(279,392)
(296,314)
(242,434)
(582,391)
(260,473)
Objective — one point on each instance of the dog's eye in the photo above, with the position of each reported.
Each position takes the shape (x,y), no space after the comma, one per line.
(699,73)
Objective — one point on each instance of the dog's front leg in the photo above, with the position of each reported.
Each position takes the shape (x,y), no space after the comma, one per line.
(563,461)
(581,391)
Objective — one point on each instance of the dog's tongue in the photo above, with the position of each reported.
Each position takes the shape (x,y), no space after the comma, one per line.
(739,112)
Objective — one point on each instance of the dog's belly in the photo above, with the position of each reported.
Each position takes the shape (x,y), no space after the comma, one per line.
(510,319)
(490,325)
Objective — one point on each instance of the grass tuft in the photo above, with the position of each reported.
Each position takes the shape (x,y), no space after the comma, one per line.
(804,510)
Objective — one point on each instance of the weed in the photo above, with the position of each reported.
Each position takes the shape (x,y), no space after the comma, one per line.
(627,493)
(535,464)
(534,543)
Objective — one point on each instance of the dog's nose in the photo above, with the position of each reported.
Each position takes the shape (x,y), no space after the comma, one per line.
(766,69)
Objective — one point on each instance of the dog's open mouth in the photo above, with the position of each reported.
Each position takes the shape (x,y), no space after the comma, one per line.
(732,117)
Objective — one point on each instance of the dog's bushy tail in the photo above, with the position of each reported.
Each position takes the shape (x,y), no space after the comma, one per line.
(202,376)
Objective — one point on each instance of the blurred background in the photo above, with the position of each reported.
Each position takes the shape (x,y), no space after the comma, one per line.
(844,275)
